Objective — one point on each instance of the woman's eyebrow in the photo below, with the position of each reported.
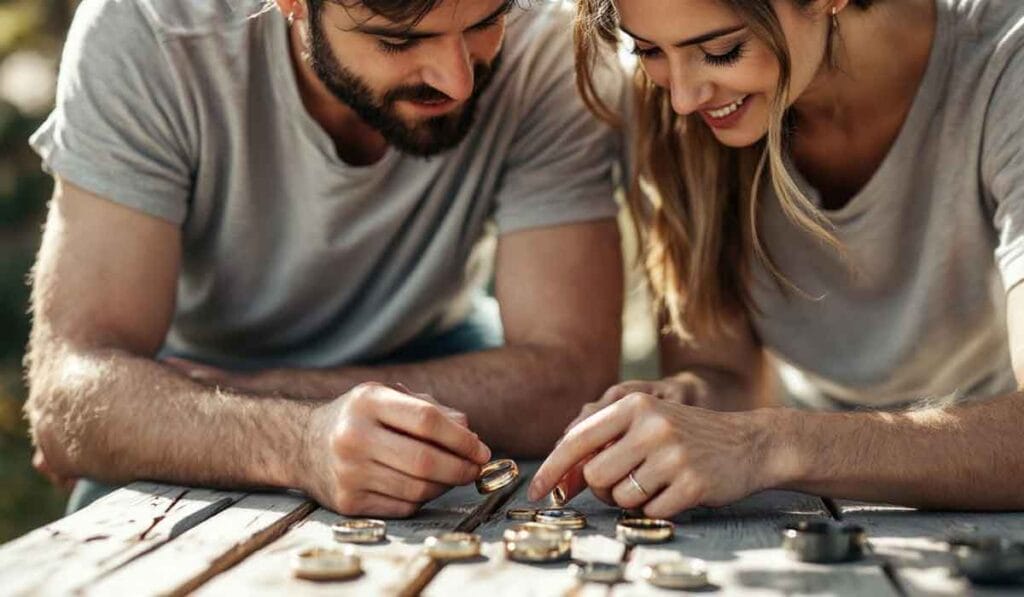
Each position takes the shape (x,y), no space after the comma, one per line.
(710,35)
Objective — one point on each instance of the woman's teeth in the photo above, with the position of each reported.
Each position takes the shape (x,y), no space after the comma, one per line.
(723,112)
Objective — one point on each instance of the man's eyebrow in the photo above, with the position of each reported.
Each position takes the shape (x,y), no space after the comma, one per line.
(403,33)
(710,35)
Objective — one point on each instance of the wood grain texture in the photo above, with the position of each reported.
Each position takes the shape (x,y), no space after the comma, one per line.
(112,533)
(389,567)
(742,545)
(913,543)
(493,575)
(207,549)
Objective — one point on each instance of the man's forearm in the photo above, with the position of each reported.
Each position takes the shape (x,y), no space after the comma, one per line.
(115,417)
(518,398)
(969,456)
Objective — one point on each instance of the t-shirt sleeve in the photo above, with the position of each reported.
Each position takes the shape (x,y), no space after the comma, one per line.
(562,165)
(117,129)
(1003,168)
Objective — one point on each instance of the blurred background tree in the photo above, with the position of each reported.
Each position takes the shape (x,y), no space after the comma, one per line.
(31,34)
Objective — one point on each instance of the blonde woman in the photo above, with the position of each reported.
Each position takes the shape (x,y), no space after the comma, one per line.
(832,190)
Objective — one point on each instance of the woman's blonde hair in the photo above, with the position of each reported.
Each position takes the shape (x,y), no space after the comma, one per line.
(693,200)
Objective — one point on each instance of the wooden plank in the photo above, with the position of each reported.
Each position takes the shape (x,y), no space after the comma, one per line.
(207,549)
(388,567)
(495,576)
(913,543)
(742,546)
(117,529)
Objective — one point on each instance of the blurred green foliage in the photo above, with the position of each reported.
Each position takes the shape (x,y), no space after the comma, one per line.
(27,500)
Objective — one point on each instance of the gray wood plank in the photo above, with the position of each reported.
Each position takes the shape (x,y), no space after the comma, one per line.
(388,567)
(914,543)
(217,543)
(742,546)
(495,576)
(72,552)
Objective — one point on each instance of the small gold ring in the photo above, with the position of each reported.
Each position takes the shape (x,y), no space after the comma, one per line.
(644,530)
(453,546)
(688,573)
(360,531)
(497,474)
(524,514)
(321,563)
(566,518)
(558,497)
(536,542)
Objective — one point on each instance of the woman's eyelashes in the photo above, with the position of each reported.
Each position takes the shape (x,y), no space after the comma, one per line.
(726,59)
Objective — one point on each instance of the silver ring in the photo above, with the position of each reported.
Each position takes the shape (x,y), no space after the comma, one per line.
(637,484)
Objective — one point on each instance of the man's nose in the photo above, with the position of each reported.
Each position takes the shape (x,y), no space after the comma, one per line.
(450,69)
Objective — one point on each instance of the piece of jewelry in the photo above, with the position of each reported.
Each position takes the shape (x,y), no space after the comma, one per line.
(988,560)
(360,531)
(607,573)
(523,514)
(322,563)
(637,485)
(688,573)
(558,496)
(823,541)
(496,475)
(535,542)
(453,546)
(566,518)
(633,531)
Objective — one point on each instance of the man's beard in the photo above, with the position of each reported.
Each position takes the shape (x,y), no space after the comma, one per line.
(424,138)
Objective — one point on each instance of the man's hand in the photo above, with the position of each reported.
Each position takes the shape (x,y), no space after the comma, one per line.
(680,455)
(383,452)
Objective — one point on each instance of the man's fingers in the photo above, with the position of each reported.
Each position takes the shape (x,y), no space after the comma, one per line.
(421,460)
(426,421)
(374,504)
(584,439)
(390,482)
(456,415)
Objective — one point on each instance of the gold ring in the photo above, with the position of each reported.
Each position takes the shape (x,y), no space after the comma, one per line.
(607,573)
(637,485)
(644,530)
(536,542)
(496,475)
(360,531)
(688,573)
(453,546)
(566,518)
(558,497)
(524,514)
(320,563)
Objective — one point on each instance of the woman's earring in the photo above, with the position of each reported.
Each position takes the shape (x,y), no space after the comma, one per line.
(833,40)
(306,55)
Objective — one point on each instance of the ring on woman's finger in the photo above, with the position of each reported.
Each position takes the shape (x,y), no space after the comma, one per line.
(636,485)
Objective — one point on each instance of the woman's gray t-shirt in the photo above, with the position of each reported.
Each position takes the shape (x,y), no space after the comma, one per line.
(934,240)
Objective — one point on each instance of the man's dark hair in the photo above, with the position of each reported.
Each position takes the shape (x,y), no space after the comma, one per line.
(404,12)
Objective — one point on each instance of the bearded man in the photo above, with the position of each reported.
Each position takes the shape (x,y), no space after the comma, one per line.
(265,259)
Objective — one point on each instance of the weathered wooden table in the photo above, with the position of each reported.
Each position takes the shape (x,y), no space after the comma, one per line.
(151,538)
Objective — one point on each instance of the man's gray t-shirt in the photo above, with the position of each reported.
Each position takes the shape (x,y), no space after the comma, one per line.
(189,111)
(934,240)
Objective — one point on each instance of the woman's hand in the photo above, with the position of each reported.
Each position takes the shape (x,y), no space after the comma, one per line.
(667,389)
(679,456)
